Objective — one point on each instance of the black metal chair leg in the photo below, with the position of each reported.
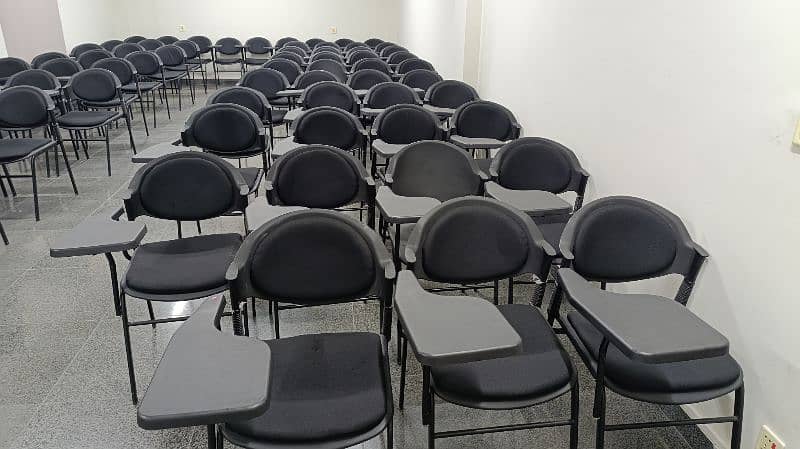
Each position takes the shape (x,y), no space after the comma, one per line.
(403,361)
(738,412)
(212,436)
(130,130)
(126,334)
(511,290)
(575,400)
(144,115)
(10,182)
(276,321)
(112,268)
(253,302)
(35,189)
(150,312)
(431,410)
(3,234)
(108,153)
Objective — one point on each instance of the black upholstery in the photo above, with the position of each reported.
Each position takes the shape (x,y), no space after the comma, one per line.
(34,77)
(243,96)
(87,59)
(434,169)
(343,42)
(146,63)
(223,128)
(400,56)
(383,95)
(450,94)
(123,69)
(484,119)
(312,77)
(12,150)
(374,63)
(420,79)
(229,46)
(10,66)
(151,44)
(62,67)
(202,42)
(387,51)
(335,68)
(95,85)
(299,44)
(86,119)
(407,123)
(290,69)
(330,55)
(288,55)
(167,40)
(134,39)
(359,55)
(366,78)
(24,107)
(328,126)
(330,93)
(126,48)
(190,49)
(83,48)
(373,41)
(414,64)
(295,50)
(283,41)
(40,59)
(314,41)
(535,163)
(267,81)
(171,56)
(320,177)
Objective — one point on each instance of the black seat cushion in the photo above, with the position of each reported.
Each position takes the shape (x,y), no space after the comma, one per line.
(143,85)
(85,119)
(15,149)
(279,101)
(250,175)
(541,369)
(319,179)
(325,386)
(188,265)
(174,74)
(126,98)
(681,377)
(255,61)
(224,60)
(278,115)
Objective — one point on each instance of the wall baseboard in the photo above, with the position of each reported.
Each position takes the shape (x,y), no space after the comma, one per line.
(715,439)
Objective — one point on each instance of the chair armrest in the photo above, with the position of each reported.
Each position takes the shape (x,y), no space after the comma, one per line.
(646,328)
(452,329)
(99,234)
(402,209)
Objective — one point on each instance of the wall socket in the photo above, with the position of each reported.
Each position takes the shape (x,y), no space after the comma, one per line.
(182,28)
(332,30)
(768,440)
(796,138)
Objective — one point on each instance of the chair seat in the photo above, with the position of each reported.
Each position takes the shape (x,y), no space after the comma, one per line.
(225,61)
(279,101)
(681,377)
(189,265)
(278,115)
(541,370)
(15,149)
(176,73)
(126,98)
(200,61)
(143,85)
(255,61)
(252,176)
(326,386)
(87,119)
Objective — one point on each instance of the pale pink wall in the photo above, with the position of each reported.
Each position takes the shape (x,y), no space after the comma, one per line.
(31,27)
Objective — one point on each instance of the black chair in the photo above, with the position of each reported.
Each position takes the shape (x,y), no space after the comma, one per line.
(382,45)
(383,95)
(314,41)
(283,41)
(372,63)
(420,80)
(450,94)
(299,44)
(483,125)
(124,49)
(337,69)
(23,109)
(290,69)
(151,44)
(134,39)
(327,46)
(167,40)
(88,58)
(360,54)
(131,91)
(109,45)
(231,50)
(373,42)
(623,239)
(101,102)
(330,93)
(401,125)
(343,42)
(11,65)
(310,77)
(443,248)
(193,63)
(63,69)
(389,50)
(414,64)
(325,125)
(292,49)
(83,48)
(253,100)
(40,59)
(151,76)
(185,186)
(400,56)
(291,56)
(45,81)
(353,45)
(364,79)
(316,56)
(204,47)
(269,82)
(330,390)
(230,131)
(259,48)
(175,70)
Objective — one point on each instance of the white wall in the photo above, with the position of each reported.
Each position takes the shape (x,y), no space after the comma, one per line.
(3,51)
(692,105)
(434,30)
(91,20)
(31,27)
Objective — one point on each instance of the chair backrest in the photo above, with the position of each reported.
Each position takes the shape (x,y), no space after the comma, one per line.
(292,49)
(166,40)
(122,68)
(190,49)
(366,78)
(373,42)
(110,44)
(188,186)
(83,48)
(283,41)
(486,119)
(414,64)
(447,247)
(420,79)
(290,56)
(11,65)
(358,55)
(434,169)
(34,77)
(134,39)
(400,56)
(312,257)
(450,94)
(317,176)
(312,77)
(225,129)
(228,46)
(383,95)
(354,45)
(267,81)
(38,60)
(151,44)
(88,58)
(382,45)
(343,42)
(62,67)
(95,85)
(407,123)
(243,96)
(299,44)
(146,63)
(314,41)
(171,55)
(258,45)
(335,68)
(24,107)
(203,42)
(124,49)
(330,93)
(327,125)
(536,163)
(327,46)
(622,238)
(374,64)
(387,51)
(290,69)
(326,55)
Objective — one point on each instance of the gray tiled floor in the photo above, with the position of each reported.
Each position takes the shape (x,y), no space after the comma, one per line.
(63,381)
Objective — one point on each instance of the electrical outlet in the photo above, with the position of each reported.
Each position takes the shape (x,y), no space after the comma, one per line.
(796,139)
(182,28)
(768,440)
(333,30)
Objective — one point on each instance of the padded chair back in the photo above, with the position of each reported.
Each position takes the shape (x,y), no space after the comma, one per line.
(83,48)
(171,55)
(387,51)
(373,42)
(356,56)
(536,163)
(62,67)
(448,249)
(185,186)
(420,79)
(314,41)
(312,77)
(485,119)
(267,81)
(407,123)
(374,64)
(34,77)
(382,45)
(95,85)
(434,169)
(450,94)
(366,78)
(258,45)
(317,176)
(622,238)
(290,69)
(329,55)
(327,46)
(87,59)
(190,49)
(291,49)
(38,60)
(243,96)
(299,44)
(327,125)
(289,56)
(151,44)
(353,45)
(383,95)
(167,40)
(123,69)
(228,46)
(335,68)
(110,44)
(24,107)
(225,129)
(124,49)
(283,41)
(330,93)
(311,257)
(134,39)
(10,66)
(414,64)
(343,42)
(146,63)
(203,43)
(400,56)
